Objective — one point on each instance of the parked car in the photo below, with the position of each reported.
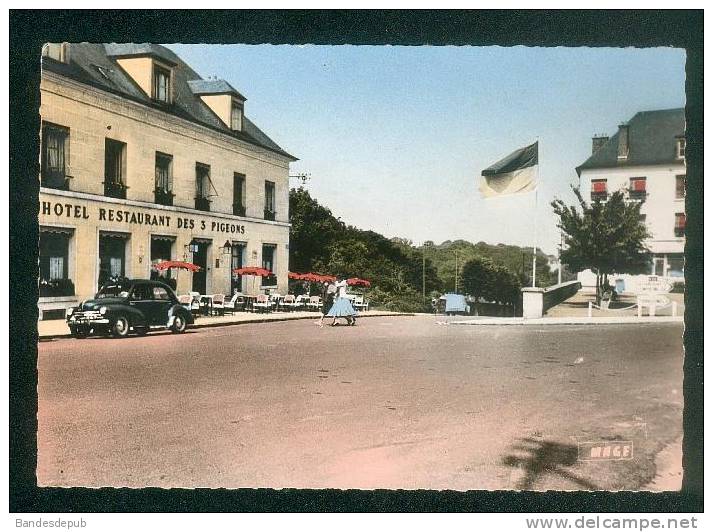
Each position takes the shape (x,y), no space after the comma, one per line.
(137,305)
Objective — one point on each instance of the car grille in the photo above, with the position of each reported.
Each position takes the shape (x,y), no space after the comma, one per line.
(87,315)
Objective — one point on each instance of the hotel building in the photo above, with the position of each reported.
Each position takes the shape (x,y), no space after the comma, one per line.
(142,161)
(646,158)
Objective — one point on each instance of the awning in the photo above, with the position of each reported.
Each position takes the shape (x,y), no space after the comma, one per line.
(165,238)
(57,230)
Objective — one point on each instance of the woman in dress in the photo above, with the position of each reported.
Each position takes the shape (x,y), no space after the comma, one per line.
(342,307)
(328,293)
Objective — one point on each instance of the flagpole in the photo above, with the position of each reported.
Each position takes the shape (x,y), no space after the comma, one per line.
(534,243)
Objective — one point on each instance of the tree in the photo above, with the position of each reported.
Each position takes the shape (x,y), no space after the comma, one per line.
(313,230)
(606,237)
(479,278)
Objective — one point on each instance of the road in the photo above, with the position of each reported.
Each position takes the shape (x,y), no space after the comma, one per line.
(397,402)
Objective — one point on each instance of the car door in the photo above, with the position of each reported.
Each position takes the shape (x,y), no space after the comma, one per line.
(162,303)
(141,299)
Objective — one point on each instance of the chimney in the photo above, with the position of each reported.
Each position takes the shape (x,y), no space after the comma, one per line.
(623,149)
(597,142)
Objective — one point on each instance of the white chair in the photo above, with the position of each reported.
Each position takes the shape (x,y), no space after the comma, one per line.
(237,302)
(218,304)
(275,300)
(288,303)
(195,302)
(262,303)
(315,302)
(185,300)
(302,301)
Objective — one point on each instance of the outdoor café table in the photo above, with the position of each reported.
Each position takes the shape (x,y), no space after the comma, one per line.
(249,300)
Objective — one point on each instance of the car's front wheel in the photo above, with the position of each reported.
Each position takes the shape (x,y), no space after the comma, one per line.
(179,324)
(120,329)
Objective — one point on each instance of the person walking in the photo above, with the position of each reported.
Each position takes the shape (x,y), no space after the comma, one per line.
(342,307)
(328,293)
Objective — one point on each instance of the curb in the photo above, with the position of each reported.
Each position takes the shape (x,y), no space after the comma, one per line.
(41,338)
(570,321)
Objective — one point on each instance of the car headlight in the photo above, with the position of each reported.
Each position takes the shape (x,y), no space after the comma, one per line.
(69,312)
(102,310)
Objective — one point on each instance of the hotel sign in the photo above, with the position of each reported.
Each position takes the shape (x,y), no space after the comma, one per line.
(134,216)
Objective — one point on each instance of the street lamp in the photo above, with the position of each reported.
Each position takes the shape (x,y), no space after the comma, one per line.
(423,278)
(226,248)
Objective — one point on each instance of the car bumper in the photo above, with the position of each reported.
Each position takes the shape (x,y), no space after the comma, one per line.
(86,322)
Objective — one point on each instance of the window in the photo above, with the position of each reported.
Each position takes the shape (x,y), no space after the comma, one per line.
(637,187)
(54,263)
(159,292)
(269,200)
(599,189)
(680,148)
(237,254)
(679,228)
(114,169)
(55,154)
(680,186)
(56,51)
(238,194)
(268,262)
(161,84)
(675,265)
(112,256)
(163,194)
(202,187)
(236,116)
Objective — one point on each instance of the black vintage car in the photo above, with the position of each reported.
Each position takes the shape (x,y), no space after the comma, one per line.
(129,305)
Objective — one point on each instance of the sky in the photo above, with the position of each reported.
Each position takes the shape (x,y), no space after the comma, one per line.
(395,137)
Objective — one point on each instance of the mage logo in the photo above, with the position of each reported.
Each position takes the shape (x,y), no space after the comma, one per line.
(605,450)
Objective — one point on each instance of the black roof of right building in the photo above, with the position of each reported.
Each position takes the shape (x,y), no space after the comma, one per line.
(652,140)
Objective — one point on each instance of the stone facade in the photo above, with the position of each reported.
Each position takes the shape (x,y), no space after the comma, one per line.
(84,214)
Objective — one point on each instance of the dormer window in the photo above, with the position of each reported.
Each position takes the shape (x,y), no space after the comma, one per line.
(680,148)
(57,51)
(236,116)
(161,84)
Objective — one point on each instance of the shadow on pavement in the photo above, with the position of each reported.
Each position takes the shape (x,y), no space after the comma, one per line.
(539,458)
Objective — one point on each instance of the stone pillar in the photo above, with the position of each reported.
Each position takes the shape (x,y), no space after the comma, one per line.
(532,302)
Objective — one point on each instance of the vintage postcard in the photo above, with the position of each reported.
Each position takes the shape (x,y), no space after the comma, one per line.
(401,267)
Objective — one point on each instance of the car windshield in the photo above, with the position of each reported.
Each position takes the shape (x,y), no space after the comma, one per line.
(112,291)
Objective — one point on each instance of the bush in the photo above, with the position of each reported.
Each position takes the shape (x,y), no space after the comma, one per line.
(407,300)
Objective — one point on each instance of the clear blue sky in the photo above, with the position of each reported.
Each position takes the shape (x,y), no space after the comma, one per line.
(396,137)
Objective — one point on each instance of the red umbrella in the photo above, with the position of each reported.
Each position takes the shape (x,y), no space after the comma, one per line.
(355,281)
(318,278)
(297,276)
(252,270)
(176,264)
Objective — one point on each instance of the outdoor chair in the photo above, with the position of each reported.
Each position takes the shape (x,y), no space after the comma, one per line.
(219,304)
(288,303)
(315,302)
(195,303)
(262,303)
(185,300)
(275,300)
(301,302)
(237,302)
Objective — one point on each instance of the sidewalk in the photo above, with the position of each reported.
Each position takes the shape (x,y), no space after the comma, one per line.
(58,328)
(568,320)
(577,306)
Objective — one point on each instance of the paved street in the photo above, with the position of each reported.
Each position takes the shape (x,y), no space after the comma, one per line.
(395,402)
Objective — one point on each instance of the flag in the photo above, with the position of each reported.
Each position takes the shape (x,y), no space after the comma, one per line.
(515,174)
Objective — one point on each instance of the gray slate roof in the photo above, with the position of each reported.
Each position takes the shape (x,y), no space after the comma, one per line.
(213,86)
(652,140)
(95,65)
